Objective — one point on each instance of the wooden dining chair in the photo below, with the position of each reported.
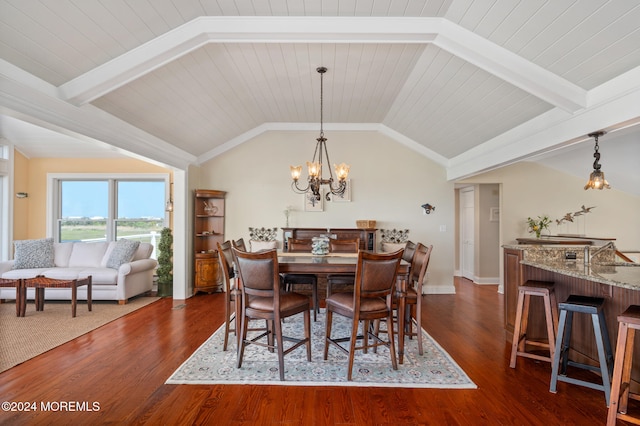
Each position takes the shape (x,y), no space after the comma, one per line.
(296,245)
(239,244)
(413,298)
(409,250)
(417,274)
(375,281)
(231,292)
(262,298)
(341,246)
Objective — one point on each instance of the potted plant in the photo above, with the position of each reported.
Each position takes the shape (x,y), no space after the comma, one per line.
(165,263)
(537,225)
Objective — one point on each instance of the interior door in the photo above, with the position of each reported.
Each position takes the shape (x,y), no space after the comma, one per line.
(467,232)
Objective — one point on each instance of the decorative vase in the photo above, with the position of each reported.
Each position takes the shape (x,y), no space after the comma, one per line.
(538,232)
(320,245)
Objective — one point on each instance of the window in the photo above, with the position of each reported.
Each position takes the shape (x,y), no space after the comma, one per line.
(99,208)
(5,202)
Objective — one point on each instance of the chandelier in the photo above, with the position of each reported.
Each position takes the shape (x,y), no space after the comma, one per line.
(314,167)
(596,178)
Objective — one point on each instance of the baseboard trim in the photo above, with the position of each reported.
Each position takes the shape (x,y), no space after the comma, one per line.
(439,289)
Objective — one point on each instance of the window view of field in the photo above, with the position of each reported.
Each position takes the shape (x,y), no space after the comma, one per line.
(107,210)
(143,230)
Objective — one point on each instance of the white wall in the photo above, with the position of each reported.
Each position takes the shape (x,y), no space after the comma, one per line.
(530,189)
(389,183)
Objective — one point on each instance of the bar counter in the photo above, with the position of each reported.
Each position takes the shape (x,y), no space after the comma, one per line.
(619,285)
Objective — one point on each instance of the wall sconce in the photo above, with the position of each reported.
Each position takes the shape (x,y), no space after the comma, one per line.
(428,208)
(21,195)
(169,205)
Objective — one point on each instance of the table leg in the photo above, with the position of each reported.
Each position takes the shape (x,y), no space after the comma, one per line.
(402,303)
(89,284)
(39,298)
(21,299)
(74,297)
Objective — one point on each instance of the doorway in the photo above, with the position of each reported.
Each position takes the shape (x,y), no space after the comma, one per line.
(467,232)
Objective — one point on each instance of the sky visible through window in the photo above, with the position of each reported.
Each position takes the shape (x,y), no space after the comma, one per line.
(90,199)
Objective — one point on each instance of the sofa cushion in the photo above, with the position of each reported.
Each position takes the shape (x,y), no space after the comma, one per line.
(144,251)
(101,276)
(62,253)
(15,274)
(34,254)
(391,247)
(87,254)
(107,254)
(122,253)
(64,273)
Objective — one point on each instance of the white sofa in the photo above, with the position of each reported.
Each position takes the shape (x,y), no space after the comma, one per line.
(75,260)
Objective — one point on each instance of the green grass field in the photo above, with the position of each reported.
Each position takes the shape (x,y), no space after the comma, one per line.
(96,232)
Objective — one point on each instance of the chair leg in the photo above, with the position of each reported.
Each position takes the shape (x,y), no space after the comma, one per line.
(559,350)
(227,324)
(352,345)
(392,346)
(327,333)
(242,338)
(515,342)
(419,324)
(626,371)
(307,333)
(278,329)
(618,400)
(603,354)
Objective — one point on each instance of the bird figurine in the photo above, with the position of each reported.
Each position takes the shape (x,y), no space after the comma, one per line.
(586,210)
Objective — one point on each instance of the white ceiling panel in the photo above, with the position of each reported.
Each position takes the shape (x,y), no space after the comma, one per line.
(453,79)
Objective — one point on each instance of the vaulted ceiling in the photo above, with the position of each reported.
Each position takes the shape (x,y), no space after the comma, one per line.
(473,85)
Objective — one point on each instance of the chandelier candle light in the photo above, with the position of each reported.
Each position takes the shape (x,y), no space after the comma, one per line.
(314,167)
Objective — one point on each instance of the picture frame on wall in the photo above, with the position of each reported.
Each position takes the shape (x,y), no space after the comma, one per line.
(494,214)
(313,205)
(345,197)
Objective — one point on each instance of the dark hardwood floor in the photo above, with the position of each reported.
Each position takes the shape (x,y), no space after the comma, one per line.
(123,366)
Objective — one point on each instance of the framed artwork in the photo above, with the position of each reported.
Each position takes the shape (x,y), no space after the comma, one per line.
(494,214)
(344,198)
(311,204)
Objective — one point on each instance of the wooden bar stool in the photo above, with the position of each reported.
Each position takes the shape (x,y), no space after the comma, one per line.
(591,306)
(628,323)
(545,290)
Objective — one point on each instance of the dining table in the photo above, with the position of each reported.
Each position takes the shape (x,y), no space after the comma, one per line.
(346,263)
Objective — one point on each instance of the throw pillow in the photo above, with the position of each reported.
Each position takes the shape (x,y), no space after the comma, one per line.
(391,247)
(262,245)
(122,253)
(34,254)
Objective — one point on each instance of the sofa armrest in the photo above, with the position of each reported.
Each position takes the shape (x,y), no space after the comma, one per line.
(137,266)
(6,266)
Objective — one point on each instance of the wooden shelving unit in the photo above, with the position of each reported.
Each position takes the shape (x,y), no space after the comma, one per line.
(208,228)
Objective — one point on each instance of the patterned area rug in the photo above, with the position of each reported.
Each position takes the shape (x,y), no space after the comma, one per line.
(210,365)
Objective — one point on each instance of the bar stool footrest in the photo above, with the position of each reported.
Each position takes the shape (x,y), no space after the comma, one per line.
(579,382)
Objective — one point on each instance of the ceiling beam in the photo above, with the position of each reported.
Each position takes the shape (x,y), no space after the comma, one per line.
(611,104)
(30,103)
(443,33)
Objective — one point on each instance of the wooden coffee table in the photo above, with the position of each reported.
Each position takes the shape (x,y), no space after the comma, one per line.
(18,285)
(42,283)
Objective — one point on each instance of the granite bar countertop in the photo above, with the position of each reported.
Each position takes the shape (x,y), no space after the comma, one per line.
(602,270)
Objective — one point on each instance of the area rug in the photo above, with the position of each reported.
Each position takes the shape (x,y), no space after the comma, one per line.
(22,338)
(209,364)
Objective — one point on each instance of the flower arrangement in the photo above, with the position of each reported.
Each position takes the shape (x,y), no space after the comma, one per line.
(537,225)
